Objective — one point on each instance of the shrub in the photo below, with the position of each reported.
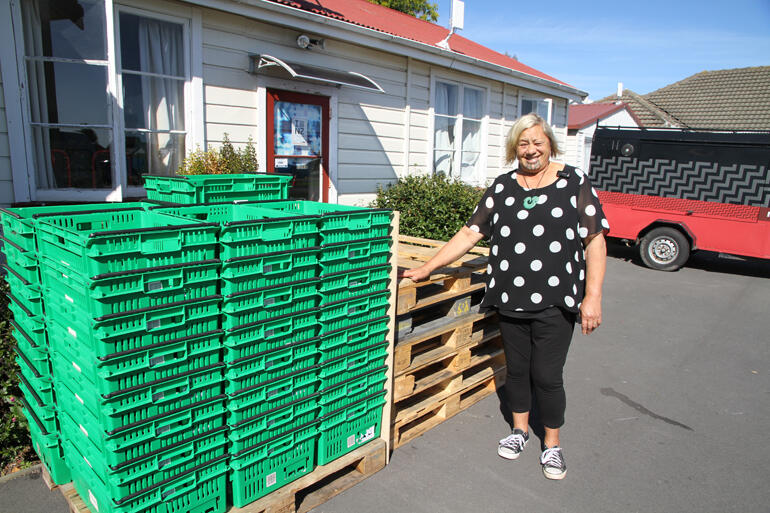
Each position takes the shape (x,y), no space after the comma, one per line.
(221,161)
(434,207)
(15,444)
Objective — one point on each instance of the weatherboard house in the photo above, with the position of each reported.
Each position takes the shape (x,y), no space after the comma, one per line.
(343,93)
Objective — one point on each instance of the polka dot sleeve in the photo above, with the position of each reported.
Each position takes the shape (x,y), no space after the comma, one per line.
(592,219)
(481,219)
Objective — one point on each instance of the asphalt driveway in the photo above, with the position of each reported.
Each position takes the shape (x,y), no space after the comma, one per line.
(668,407)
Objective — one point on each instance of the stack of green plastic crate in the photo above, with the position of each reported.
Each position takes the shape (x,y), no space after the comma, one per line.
(26,302)
(353,269)
(195,189)
(132,310)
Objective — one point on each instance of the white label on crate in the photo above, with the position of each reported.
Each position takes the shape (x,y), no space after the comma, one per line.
(79,399)
(77,367)
(270,480)
(351,441)
(93,500)
(65,263)
(88,462)
(69,298)
(368,435)
(83,430)
(72,332)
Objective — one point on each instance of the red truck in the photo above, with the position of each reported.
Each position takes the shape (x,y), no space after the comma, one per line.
(674,191)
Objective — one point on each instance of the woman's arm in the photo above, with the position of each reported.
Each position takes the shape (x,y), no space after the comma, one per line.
(596,264)
(457,246)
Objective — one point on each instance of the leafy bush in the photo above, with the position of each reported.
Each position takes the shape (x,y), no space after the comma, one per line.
(221,161)
(15,444)
(434,207)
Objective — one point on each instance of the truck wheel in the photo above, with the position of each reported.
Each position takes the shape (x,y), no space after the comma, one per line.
(664,249)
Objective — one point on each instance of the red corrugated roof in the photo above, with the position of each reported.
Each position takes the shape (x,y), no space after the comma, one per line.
(580,116)
(382,19)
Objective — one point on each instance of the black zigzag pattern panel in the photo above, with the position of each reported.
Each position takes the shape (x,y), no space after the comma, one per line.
(703,181)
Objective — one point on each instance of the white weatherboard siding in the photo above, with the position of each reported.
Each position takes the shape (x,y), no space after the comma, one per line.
(6,180)
(579,144)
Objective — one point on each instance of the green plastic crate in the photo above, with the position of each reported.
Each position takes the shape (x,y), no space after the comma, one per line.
(138,404)
(350,427)
(353,338)
(349,256)
(36,363)
(347,312)
(20,223)
(40,383)
(347,284)
(36,348)
(248,371)
(23,262)
(45,412)
(150,469)
(340,223)
(112,373)
(255,430)
(121,292)
(189,189)
(352,390)
(127,240)
(269,302)
(151,435)
(268,269)
(248,229)
(265,396)
(202,489)
(32,324)
(28,294)
(48,447)
(136,329)
(257,471)
(250,339)
(335,371)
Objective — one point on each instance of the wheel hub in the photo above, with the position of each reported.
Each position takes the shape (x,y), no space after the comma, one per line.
(663,250)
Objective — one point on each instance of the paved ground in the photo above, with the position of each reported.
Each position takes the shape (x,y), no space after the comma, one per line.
(668,411)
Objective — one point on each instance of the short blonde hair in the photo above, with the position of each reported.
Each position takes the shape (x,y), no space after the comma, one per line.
(526,122)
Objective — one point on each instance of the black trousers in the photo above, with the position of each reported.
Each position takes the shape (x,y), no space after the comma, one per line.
(535,353)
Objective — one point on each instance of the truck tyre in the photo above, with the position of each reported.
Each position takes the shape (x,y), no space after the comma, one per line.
(664,249)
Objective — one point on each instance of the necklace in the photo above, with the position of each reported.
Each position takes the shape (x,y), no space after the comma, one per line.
(531,201)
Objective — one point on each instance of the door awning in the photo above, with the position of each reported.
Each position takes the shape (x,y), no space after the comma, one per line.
(317,73)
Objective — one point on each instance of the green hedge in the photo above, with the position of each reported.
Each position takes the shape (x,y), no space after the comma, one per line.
(434,207)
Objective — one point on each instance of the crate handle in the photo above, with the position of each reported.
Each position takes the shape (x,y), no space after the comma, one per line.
(279,358)
(358,362)
(282,420)
(169,280)
(358,334)
(276,230)
(165,319)
(159,242)
(360,250)
(359,221)
(278,327)
(357,306)
(170,391)
(281,389)
(168,427)
(281,445)
(356,386)
(185,451)
(277,297)
(166,357)
(357,411)
(178,489)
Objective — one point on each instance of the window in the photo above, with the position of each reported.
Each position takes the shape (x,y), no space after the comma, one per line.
(82,114)
(458,117)
(541,107)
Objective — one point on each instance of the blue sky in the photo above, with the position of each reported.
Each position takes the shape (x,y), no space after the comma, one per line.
(645,44)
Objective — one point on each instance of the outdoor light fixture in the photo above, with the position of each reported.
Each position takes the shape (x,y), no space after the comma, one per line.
(306,42)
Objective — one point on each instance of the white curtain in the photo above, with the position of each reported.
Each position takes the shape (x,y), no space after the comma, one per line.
(471,146)
(38,100)
(160,52)
(444,121)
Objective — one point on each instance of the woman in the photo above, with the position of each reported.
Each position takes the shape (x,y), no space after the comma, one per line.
(546,268)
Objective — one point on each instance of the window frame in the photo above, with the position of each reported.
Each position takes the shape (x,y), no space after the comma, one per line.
(479,175)
(191,21)
(539,100)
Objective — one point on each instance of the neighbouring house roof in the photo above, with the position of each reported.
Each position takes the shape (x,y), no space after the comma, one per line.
(581,116)
(389,21)
(647,113)
(730,99)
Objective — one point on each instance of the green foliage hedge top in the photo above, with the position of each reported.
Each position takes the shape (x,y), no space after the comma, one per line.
(223,161)
(434,207)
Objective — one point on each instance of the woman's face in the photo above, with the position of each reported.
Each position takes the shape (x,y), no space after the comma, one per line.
(534,149)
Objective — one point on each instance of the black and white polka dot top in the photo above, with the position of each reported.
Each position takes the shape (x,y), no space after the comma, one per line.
(536,258)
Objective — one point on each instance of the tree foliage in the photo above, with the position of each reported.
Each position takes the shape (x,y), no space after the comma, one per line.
(418,8)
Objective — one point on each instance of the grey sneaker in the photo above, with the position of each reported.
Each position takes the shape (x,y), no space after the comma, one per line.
(553,463)
(512,445)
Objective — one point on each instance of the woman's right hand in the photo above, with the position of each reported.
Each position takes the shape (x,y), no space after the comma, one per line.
(417,274)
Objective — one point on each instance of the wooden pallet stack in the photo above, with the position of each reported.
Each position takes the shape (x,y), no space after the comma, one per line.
(447,355)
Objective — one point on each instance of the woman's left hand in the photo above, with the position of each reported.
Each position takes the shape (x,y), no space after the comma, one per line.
(590,314)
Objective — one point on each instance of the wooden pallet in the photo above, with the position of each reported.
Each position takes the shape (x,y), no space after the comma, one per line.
(301,495)
(46,476)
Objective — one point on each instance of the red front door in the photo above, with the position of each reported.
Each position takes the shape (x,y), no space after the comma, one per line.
(298,142)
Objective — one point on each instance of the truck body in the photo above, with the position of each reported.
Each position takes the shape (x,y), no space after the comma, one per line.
(672,191)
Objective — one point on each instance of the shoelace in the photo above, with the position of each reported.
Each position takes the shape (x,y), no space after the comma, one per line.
(552,457)
(515,442)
